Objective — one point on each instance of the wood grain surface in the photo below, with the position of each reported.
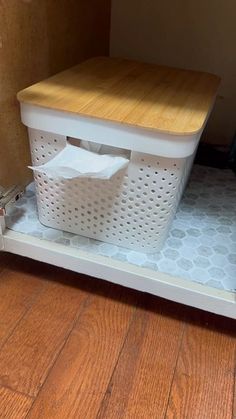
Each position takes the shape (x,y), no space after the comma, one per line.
(13,405)
(161,98)
(33,346)
(38,39)
(142,379)
(203,385)
(17,294)
(80,348)
(82,372)
(234,392)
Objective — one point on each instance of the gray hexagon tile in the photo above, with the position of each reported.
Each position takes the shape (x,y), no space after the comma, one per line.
(201,246)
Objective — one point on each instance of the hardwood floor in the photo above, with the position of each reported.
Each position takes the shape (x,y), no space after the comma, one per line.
(76,347)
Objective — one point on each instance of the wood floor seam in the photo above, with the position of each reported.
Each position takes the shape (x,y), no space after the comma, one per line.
(61,349)
(175,368)
(203,381)
(117,361)
(37,294)
(93,350)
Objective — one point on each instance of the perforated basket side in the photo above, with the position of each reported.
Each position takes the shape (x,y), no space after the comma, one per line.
(134,209)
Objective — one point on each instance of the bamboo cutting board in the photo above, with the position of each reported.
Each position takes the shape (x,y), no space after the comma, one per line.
(164,99)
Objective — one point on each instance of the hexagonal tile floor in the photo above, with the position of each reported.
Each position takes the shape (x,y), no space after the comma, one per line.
(201,245)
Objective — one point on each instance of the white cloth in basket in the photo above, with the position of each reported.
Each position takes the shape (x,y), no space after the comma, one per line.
(73,162)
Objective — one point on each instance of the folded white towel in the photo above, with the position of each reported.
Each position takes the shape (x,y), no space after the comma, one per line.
(73,162)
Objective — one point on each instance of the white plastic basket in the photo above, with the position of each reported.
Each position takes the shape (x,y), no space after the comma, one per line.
(134,209)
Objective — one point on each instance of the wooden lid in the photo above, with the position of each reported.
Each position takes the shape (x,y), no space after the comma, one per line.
(149,96)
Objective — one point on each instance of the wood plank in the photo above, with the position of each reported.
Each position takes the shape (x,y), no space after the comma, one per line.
(92,82)
(137,83)
(78,381)
(234,393)
(19,286)
(17,294)
(165,99)
(13,405)
(204,379)
(142,379)
(29,353)
(234,403)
